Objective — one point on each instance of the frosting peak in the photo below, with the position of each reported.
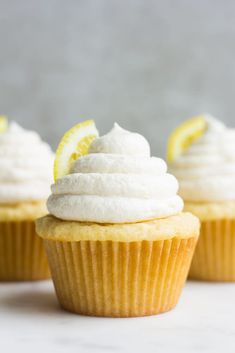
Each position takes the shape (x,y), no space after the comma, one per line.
(117,182)
(213,124)
(121,141)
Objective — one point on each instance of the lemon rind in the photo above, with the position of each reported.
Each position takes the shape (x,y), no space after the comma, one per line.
(65,141)
(193,127)
(3,123)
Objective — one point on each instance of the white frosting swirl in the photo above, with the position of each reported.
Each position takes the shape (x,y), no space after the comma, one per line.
(206,171)
(25,166)
(117,182)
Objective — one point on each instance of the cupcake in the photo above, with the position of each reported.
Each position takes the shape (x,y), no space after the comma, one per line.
(201,155)
(117,242)
(25,175)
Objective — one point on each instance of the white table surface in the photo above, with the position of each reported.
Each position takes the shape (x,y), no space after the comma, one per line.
(32,321)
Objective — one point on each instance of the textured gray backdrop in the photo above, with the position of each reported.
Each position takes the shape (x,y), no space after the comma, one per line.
(146,64)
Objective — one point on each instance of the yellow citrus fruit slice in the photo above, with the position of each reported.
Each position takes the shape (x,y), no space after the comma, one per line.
(184,135)
(3,123)
(74,144)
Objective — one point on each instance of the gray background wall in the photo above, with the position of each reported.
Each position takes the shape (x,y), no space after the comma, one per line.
(146,64)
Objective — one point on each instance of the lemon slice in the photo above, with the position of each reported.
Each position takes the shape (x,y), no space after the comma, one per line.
(184,135)
(3,123)
(74,144)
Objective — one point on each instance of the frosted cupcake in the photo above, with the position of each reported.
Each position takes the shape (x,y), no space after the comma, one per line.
(117,242)
(202,154)
(25,177)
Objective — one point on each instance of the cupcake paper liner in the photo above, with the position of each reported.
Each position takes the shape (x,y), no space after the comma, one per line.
(119,279)
(214,258)
(22,255)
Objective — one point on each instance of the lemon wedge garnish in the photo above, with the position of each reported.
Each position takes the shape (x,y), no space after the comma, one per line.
(3,123)
(184,135)
(74,144)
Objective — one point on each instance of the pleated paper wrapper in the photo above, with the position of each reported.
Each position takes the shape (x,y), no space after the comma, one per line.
(22,254)
(214,258)
(119,279)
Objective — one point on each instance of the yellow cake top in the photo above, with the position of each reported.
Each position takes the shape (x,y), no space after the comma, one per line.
(22,211)
(183,225)
(209,211)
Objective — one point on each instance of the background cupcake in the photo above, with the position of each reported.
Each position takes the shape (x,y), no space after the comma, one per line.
(25,177)
(202,155)
(117,242)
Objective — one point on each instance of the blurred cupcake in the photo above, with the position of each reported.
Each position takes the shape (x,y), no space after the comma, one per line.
(25,177)
(201,152)
(117,242)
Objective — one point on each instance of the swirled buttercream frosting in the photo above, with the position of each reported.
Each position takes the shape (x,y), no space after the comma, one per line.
(116,182)
(25,166)
(206,171)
